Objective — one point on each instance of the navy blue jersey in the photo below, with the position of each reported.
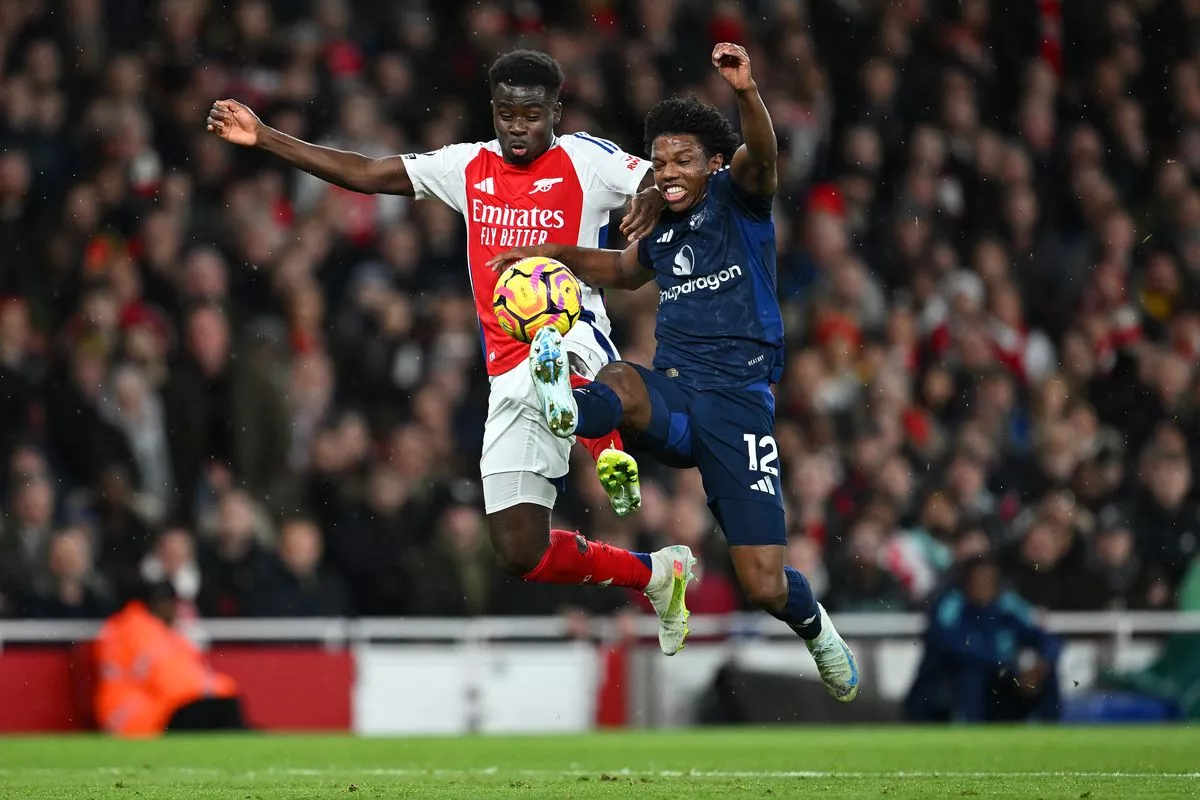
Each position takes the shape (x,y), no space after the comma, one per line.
(718,323)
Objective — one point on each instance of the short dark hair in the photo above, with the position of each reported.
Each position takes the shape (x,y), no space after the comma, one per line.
(527,68)
(151,591)
(689,115)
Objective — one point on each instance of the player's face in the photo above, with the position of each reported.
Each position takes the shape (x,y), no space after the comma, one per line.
(524,117)
(681,169)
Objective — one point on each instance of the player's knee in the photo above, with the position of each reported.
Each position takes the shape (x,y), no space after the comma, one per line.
(625,381)
(765,590)
(516,561)
(621,378)
(515,557)
(759,570)
(518,542)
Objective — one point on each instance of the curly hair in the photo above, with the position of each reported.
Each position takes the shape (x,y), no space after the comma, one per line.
(689,115)
(527,68)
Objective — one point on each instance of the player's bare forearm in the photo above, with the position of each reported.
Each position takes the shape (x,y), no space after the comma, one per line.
(343,168)
(237,123)
(762,148)
(604,269)
(753,166)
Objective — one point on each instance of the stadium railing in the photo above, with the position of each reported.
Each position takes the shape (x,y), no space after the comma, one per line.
(337,632)
(521,674)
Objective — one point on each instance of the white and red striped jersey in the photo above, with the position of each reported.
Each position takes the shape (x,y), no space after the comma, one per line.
(564,197)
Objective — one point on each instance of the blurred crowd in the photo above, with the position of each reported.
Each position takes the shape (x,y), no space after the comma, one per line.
(221,373)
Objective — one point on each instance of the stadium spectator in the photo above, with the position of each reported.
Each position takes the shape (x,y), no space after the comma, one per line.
(233,560)
(371,538)
(130,404)
(988,264)
(74,590)
(173,560)
(124,526)
(151,679)
(858,580)
(454,578)
(294,583)
(28,530)
(985,659)
(222,410)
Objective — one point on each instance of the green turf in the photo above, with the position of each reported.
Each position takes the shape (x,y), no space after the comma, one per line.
(832,763)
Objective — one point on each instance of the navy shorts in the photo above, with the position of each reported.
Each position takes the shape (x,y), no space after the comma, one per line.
(728,434)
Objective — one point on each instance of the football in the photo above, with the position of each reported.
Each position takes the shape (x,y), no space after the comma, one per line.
(533,293)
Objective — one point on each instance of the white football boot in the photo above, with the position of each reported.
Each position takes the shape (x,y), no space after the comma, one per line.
(673,567)
(552,380)
(835,662)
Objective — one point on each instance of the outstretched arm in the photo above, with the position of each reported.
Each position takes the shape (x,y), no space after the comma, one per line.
(605,269)
(236,123)
(753,166)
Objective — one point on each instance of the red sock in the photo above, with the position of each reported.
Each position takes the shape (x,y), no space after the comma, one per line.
(597,446)
(570,558)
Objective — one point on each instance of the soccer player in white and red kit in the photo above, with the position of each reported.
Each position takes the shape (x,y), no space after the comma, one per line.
(528,186)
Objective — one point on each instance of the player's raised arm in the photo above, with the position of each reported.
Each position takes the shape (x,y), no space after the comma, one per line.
(605,269)
(236,123)
(753,166)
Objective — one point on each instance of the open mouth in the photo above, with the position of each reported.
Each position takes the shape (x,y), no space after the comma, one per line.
(674,193)
(519,148)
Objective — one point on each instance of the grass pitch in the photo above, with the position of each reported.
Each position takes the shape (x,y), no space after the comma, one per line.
(829,763)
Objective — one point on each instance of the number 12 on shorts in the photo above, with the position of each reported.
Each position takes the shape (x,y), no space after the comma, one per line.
(769,453)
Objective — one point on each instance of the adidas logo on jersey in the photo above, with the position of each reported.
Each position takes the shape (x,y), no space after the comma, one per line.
(763,485)
(487,186)
(667,237)
(712,282)
(544,184)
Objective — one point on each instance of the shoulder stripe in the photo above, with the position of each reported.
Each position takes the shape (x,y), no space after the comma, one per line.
(603,144)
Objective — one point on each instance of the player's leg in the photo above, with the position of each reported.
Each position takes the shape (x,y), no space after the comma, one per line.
(588,351)
(617,394)
(518,452)
(593,409)
(528,548)
(757,535)
(737,457)
(616,469)
(617,397)
(656,414)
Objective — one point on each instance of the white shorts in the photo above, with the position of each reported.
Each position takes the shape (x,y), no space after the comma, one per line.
(515,437)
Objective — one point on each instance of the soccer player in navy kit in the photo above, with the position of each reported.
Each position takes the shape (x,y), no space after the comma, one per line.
(707,403)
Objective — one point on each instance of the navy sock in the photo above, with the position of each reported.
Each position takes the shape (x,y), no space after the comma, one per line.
(645,559)
(599,410)
(800,612)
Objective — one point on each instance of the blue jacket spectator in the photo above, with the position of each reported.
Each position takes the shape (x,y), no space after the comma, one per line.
(986,659)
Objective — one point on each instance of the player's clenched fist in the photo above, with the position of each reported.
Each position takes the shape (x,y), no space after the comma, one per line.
(733,63)
(234,122)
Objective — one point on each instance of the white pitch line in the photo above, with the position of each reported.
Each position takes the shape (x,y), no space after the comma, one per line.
(719,774)
(600,774)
